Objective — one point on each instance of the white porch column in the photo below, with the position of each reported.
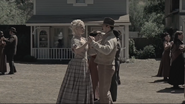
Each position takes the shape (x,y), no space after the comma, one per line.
(123,37)
(122,30)
(35,36)
(31,44)
(127,41)
(86,31)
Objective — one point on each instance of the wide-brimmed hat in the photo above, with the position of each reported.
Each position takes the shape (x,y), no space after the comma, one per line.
(13,29)
(108,21)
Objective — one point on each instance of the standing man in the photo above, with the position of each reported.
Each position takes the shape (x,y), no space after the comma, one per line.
(11,48)
(115,78)
(106,51)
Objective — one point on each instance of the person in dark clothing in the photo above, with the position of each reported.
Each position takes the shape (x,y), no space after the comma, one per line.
(59,46)
(3,67)
(60,43)
(117,57)
(11,48)
(176,76)
(116,78)
(164,67)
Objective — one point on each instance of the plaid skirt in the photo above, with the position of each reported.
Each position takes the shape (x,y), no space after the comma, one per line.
(76,87)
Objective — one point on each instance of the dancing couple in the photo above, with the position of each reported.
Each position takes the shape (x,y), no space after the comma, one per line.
(77,84)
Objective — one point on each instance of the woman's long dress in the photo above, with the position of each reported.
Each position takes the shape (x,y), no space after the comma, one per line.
(164,68)
(93,67)
(177,67)
(76,87)
(3,67)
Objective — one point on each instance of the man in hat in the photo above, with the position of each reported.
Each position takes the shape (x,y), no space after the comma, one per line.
(11,48)
(106,51)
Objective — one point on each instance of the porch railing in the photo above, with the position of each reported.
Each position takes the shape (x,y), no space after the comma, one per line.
(60,53)
(52,53)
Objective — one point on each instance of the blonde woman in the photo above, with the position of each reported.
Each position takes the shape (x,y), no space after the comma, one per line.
(76,87)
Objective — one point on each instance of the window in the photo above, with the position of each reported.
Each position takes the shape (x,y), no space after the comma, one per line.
(43,39)
(175,5)
(80,1)
(182,5)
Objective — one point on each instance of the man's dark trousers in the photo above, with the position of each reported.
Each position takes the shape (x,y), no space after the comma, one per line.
(114,86)
(115,79)
(117,69)
(10,58)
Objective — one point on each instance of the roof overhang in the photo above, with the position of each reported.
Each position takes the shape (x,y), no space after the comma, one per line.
(53,20)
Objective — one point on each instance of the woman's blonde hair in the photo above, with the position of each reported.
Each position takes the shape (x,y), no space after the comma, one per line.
(75,24)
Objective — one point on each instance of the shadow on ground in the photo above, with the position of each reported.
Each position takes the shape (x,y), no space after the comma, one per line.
(159,81)
(171,90)
(158,59)
(183,102)
(45,62)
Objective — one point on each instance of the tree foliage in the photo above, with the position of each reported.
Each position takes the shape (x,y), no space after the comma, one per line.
(26,6)
(136,12)
(15,12)
(10,14)
(154,26)
(156,6)
(143,11)
(150,21)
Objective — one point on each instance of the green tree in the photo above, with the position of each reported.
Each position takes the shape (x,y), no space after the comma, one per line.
(136,12)
(154,26)
(26,6)
(156,6)
(10,14)
(147,17)
(154,14)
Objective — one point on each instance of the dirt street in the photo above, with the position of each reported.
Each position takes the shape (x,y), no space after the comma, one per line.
(40,83)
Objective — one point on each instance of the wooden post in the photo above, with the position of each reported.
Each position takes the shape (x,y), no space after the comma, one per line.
(31,40)
(122,42)
(127,42)
(183,27)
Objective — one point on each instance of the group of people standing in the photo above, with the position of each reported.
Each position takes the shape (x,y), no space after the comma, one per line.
(92,73)
(8,48)
(172,63)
